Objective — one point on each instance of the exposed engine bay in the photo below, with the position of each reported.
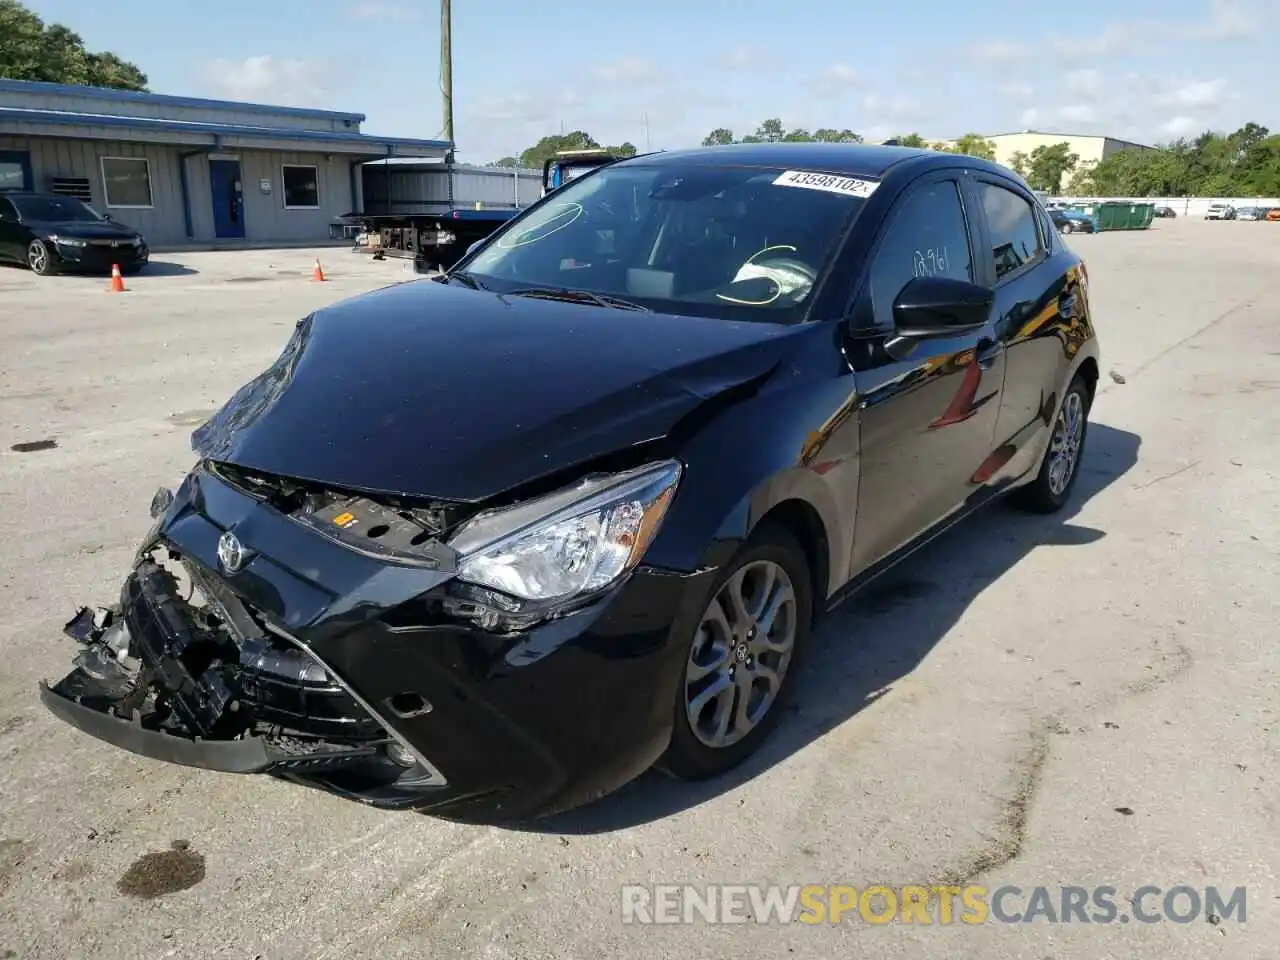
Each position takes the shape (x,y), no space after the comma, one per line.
(185,663)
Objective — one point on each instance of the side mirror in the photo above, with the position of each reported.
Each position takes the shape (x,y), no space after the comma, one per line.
(941,307)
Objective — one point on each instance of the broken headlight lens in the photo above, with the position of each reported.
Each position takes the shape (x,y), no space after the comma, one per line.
(571,543)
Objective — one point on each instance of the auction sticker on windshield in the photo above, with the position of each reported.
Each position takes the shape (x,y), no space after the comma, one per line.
(848,186)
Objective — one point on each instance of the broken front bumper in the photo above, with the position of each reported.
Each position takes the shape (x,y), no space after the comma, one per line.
(163,678)
(336,669)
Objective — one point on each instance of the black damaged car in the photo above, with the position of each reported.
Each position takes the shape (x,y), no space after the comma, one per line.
(491,544)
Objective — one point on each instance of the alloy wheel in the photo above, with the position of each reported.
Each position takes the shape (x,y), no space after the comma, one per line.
(740,654)
(38,257)
(1064,446)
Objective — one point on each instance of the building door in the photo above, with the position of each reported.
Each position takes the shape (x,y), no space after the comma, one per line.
(15,170)
(228,199)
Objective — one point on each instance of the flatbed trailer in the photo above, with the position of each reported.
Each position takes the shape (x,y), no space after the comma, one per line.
(431,241)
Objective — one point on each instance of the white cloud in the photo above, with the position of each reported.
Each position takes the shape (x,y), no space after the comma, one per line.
(630,72)
(1016,91)
(1083,84)
(741,58)
(1180,127)
(273,80)
(1001,52)
(1224,20)
(1228,20)
(1196,95)
(376,10)
(835,79)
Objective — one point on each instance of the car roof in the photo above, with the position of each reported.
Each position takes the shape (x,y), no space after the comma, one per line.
(848,159)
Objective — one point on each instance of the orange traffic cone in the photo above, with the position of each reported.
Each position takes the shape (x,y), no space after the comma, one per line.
(318,274)
(117,281)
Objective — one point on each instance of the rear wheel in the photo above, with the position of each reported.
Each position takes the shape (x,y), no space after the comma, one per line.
(40,258)
(742,657)
(1051,489)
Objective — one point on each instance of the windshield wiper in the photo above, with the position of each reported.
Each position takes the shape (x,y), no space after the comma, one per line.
(579,296)
(466,278)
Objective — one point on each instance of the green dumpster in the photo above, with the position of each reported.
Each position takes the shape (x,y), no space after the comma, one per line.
(1124,216)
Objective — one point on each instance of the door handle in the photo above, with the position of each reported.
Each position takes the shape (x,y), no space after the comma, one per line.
(988,351)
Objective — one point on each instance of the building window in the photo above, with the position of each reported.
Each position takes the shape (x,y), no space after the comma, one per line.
(301,187)
(126,181)
(15,170)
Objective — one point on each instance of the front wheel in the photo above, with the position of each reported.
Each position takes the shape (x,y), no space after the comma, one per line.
(40,258)
(1051,489)
(742,656)
(1066,227)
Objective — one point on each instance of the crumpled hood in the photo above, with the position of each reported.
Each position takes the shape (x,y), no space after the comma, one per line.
(436,391)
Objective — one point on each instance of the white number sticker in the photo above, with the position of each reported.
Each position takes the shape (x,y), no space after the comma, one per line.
(847,186)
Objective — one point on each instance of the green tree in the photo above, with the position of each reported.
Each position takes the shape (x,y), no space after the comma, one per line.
(974,145)
(771,131)
(1020,163)
(535,156)
(1048,165)
(1244,163)
(30,50)
(912,140)
(827,135)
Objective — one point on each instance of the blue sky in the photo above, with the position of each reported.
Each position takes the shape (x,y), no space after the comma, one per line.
(1145,70)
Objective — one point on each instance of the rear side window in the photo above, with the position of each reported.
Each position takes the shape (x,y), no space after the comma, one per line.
(1012,225)
(927,237)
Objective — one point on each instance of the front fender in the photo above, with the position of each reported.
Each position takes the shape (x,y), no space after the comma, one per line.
(796,440)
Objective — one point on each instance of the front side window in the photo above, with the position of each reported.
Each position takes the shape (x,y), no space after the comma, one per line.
(301,187)
(1012,224)
(126,181)
(744,243)
(55,210)
(926,237)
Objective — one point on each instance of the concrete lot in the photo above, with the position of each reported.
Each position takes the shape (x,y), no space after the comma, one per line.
(982,713)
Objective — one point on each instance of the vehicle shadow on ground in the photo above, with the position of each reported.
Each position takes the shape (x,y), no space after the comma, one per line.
(879,636)
(166,268)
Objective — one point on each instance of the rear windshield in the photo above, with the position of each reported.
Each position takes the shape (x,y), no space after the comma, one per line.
(734,242)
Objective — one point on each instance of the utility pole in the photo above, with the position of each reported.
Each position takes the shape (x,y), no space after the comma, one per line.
(446,68)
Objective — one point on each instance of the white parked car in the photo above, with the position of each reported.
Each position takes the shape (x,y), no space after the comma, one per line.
(1220,211)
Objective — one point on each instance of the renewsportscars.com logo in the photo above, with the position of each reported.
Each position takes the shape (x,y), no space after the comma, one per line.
(927,904)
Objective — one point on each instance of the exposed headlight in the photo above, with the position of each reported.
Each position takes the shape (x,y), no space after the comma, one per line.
(68,241)
(570,544)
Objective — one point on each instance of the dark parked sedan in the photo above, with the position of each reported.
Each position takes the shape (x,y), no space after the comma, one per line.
(492,544)
(49,233)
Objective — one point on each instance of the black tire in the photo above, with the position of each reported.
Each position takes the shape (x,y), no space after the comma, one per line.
(1066,227)
(688,757)
(1043,494)
(40,259)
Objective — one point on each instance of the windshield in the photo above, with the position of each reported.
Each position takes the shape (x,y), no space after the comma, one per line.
(733,242)
(55,209)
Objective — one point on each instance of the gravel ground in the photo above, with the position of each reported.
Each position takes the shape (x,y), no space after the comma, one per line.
(985,714)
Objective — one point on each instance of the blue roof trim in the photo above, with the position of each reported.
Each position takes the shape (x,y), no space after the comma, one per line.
(23,115)
(104,93)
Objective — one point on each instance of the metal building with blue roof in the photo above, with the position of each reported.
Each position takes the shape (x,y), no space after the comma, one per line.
(184,170)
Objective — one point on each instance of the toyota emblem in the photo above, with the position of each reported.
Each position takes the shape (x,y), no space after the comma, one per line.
(231,552)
